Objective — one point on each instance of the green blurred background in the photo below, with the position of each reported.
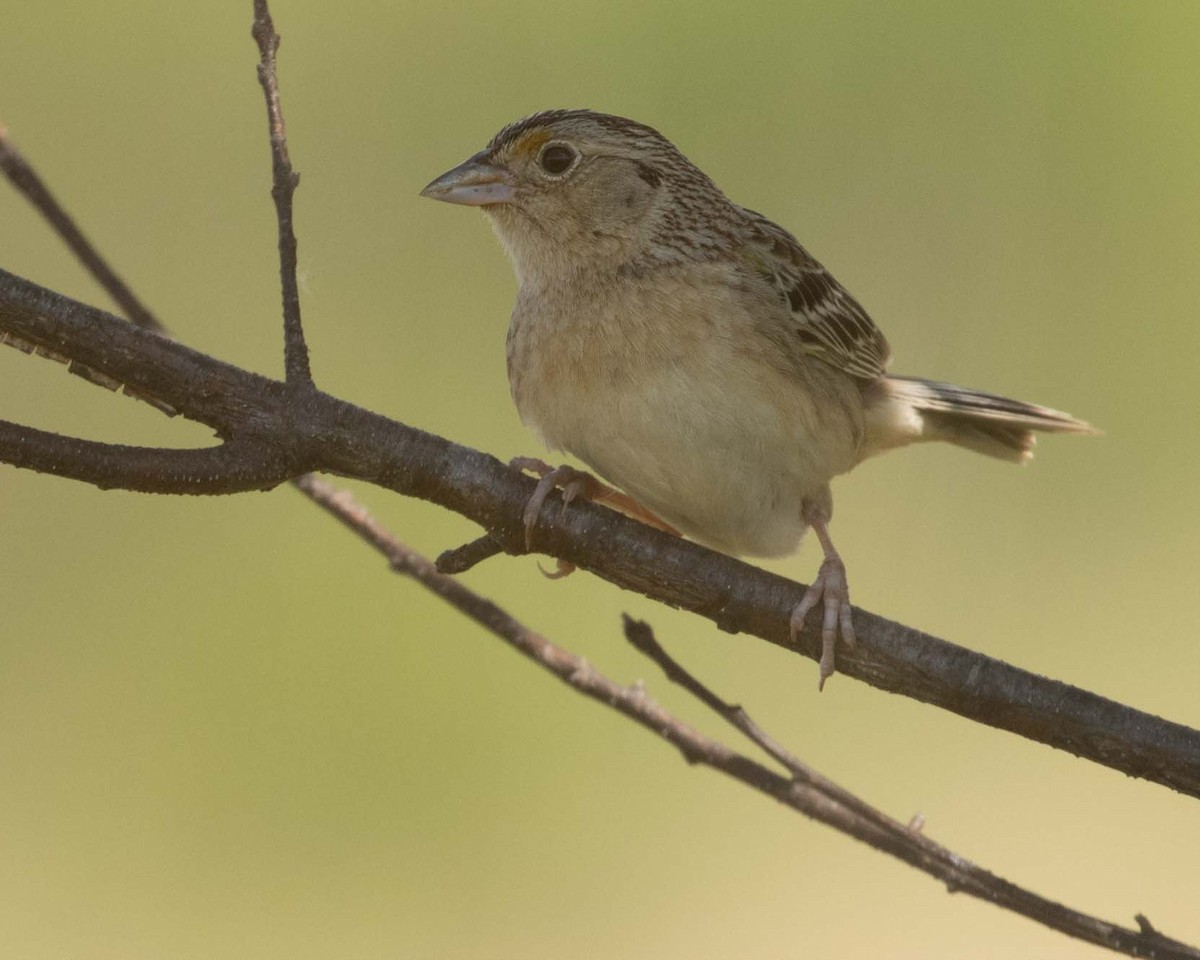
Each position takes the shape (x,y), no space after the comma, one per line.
(226,731)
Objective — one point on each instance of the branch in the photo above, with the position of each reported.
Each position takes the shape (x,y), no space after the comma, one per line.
(233,467)
(805,791)
(461,559)
(333,436)
(284,181)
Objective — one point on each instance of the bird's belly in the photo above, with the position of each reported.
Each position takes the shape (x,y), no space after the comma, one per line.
(717,443)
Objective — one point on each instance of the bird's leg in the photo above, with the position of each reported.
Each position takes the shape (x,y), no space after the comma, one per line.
(577,483)
(831,587)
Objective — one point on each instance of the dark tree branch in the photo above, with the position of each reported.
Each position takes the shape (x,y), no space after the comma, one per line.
(284,181)
(163,370)
(232,467)
(806,791)
(461,559)
(334,436)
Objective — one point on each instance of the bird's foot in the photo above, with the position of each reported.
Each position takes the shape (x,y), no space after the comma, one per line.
(574,483)
(831,589)
(577,484)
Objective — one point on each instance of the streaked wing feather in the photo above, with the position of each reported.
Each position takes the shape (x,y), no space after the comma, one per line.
(830,324)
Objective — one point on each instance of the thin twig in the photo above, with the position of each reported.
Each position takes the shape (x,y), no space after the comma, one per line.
(810,794)
(22,176)
(641,635)
(284,181)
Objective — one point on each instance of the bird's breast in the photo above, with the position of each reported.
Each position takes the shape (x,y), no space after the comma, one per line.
(667,392)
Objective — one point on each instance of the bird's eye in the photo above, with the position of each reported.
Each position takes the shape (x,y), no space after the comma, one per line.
(557,158)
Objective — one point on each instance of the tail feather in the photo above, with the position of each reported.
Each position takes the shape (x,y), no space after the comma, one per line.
(912,410)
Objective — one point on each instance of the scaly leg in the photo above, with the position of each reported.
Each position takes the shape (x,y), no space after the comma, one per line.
(831,587)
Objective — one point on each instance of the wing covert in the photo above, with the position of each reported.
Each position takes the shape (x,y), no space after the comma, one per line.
(830,324)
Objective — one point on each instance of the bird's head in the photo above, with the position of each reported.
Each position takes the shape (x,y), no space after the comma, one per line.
(571,191)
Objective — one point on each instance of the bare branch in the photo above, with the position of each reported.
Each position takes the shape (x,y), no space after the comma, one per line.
(336,437)
(639,633)
(232,467)
(807,792)
(295,350)
(166,372)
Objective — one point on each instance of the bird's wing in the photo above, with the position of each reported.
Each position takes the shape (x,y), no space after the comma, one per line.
(829,323)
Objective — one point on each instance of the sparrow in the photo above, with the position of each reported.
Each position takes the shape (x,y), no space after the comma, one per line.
(693,354)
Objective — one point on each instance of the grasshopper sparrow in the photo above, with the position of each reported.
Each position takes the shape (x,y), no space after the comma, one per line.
(692,353)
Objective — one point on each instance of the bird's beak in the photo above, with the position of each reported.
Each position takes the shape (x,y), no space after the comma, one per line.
(473,183)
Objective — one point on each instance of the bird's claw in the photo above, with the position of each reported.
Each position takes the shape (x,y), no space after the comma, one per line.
(574,484)
(832,589)
(562,568)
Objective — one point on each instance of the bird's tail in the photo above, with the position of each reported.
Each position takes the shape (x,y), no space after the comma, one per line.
(910,409)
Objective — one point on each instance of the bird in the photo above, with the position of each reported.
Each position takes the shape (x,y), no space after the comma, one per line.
(694,355)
